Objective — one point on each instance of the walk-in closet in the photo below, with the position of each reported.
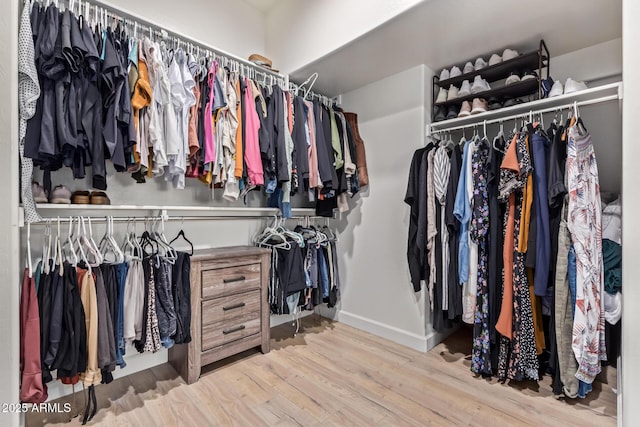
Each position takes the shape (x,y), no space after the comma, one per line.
(276,212)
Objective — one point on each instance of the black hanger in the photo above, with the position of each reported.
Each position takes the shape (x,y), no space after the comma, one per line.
(181,234)
(147,240)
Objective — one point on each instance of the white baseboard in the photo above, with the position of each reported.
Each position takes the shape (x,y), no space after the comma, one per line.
(402,337)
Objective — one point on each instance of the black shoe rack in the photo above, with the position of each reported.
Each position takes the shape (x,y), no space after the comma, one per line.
(537,60)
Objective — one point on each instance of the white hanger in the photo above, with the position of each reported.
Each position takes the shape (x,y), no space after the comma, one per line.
(68,246)
(92,243)
(29,262)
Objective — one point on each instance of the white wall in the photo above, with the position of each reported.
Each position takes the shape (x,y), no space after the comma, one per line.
(376,293)
(299,32)
(630,409)
(9,261)
(232,26)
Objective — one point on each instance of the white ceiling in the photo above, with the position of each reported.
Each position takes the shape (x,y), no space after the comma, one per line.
(262,5)
(440,33)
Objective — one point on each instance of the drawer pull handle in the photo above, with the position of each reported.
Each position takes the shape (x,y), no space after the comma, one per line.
(234,279)
(232,330)
(231,307)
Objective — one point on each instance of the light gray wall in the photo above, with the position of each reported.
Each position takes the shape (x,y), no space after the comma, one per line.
(376,291)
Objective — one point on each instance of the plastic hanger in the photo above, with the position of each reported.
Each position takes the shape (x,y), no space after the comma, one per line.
(184,237)
(67,251)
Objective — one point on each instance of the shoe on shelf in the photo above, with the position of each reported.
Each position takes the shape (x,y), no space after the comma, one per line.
(480,64)
(455,72)
(495,59)
(438,113)
(465,109)
(571,86)
(494,103)
(39,195)
(557,89)
(60,195)
(80,197)
(452,112)
(514,77)
(465,89)
(547,85)
(509,54)
(479,106)
(444,74)
(479,85)
(100,198)
(442,95)
(453,93)
(468,68)
(530,75)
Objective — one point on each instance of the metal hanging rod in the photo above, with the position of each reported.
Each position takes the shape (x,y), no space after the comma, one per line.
(110,11)
(529,113)
(98,219)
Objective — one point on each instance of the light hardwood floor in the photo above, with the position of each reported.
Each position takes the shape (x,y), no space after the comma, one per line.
(333,375)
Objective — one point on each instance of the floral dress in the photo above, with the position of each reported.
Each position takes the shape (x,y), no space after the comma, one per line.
(478,231)
(518,357)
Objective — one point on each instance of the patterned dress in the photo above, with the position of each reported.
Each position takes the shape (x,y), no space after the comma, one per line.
(478,231)
(518,357)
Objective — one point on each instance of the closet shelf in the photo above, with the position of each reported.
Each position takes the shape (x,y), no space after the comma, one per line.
(62,210)
(516,90)
(526,62)
(602,93)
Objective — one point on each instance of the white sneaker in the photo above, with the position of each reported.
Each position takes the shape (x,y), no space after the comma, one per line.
(468,68)
(573,86)
(556,89)
(444,74)
(480,64)
(453,93)
(495,59)
(479,85)
(513,78)
(442,95)
(455,72)
(465,89)
(509,54)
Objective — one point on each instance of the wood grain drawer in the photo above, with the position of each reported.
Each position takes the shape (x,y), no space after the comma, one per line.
(230,280)
(219,333)
(225,309)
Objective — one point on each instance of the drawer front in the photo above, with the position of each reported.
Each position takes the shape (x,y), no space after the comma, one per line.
(217,334)
(225,309)
(230,280)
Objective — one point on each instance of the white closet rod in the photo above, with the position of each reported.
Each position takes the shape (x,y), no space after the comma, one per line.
(145,24)
(96,219)
(529,113)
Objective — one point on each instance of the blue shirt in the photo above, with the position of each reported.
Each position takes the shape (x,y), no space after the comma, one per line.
(462,211)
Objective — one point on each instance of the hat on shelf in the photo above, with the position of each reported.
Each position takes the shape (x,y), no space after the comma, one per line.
(263,62)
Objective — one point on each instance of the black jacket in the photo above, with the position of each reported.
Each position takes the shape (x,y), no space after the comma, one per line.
(181,289)
(300,113)
(165,309)
(44,308)
(72,355)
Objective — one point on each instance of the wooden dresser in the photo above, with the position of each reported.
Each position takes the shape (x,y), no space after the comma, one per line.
(229,307)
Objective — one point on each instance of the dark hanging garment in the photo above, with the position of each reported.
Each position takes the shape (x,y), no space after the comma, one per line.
(325,163)
(72,352)
(496,243)
(416,198)
(165,308)
(181,289)
(44,308)
(453,225)
(299,136)
(55,327)
(267,144)
(326,130)
(278,136)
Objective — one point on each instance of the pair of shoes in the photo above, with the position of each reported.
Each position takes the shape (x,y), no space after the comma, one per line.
(494,103)
(507,54)
(446,74)
(512,101)
(479,65)
(84,197)
(479,85)
(440,113)
(478,106)
(447,95)
(570,86)
(39,193)
(60,195)
(516,77)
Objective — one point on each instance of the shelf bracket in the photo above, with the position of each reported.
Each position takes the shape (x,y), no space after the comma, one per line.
(164,214)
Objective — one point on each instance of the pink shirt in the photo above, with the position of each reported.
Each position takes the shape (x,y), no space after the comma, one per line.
(314,180)
(252,144)
(209,145)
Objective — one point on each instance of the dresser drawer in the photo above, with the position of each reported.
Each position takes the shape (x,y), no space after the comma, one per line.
(227,308)
(230,280)
(219,333)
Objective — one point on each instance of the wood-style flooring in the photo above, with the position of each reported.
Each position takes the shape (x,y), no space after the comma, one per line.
(333,375)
